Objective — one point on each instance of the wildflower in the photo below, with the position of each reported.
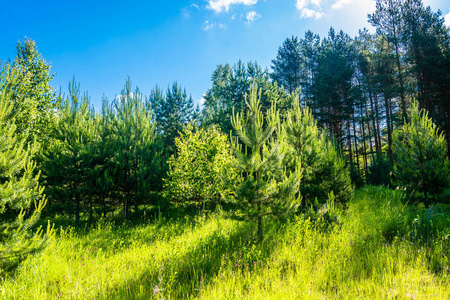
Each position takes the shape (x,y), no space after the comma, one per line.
(156,290)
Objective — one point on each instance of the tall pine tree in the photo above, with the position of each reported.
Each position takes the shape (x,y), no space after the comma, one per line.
(21,199)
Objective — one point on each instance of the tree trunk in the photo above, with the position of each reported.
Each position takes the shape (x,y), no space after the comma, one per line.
(77,212)
(401,82)
(388,124)
(260,228)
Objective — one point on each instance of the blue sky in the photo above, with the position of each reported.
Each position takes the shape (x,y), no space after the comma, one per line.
(157,42)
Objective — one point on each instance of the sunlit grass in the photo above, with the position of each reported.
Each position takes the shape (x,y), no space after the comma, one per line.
(380,248)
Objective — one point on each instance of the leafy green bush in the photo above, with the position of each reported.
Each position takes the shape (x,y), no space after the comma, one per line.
(200,172)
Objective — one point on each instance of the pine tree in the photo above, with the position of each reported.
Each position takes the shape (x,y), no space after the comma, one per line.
(68,162)
(323,168)
(389,23)
(420,152)
(32,94)
(309,49)
(19,188)
(427,50)
(333,88)
(137,159)
(287,65)
(228,90)
(171,112)
(267,187)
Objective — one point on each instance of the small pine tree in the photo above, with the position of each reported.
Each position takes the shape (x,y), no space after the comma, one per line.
(420,155)
(323,168)
(267,187)
(19,187)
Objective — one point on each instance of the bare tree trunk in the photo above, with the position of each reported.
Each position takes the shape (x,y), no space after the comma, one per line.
(260,228)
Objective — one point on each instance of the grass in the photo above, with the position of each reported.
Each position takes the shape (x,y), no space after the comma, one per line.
(379,248)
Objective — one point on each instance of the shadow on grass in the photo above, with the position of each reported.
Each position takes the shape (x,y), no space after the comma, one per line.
(183,276)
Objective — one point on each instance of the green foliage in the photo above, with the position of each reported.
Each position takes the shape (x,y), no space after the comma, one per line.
(171,112)
(68,162)
(421,162)
(287,65)
(268,187)
(98,162)
(32,94)
(380,171)
(322,166)
(230,84)
(200,172)
(333,84)
(19,188)
(135,150)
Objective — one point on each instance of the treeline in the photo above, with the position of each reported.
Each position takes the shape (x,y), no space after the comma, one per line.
(361,89)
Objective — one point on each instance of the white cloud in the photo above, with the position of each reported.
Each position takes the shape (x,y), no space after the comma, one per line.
(208,26)
(306,10)
(252,16)
(340,3)
(202,101)
(309,13)
(447,19)
(316,2)
(220,5)
(301,4)
(123,97)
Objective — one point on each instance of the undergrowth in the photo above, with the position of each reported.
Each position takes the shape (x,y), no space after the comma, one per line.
(378,247)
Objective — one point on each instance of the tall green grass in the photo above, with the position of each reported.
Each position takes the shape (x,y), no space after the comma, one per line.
(378,248)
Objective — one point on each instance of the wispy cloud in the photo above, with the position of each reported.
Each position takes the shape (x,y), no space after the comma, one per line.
(208,26)
(224,5)
(447,19)
(188,10)
(252,16)
(340,3)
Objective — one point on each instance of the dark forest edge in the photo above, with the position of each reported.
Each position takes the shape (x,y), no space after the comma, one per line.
(334,114)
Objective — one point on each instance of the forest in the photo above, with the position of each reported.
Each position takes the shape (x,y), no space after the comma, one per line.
(327,176)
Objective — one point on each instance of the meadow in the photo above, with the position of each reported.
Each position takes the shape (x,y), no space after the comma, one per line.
(376,248)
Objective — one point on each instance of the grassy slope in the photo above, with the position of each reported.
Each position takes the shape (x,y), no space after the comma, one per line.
(380,249)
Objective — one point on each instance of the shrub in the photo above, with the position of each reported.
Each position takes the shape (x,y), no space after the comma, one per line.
(200,173)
